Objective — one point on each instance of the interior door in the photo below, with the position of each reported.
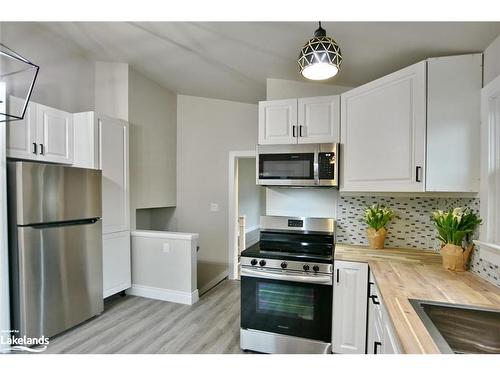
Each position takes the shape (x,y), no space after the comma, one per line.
(21,134)
(278,122)
(383,129)
(113,160)
(319,119)
(55,135)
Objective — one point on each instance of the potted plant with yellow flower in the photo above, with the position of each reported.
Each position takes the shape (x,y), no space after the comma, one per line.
(377,217)
(455,228)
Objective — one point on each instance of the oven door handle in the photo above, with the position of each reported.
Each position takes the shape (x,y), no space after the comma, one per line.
(321,279)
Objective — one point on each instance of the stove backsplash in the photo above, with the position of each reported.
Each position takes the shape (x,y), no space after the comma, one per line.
(411,229)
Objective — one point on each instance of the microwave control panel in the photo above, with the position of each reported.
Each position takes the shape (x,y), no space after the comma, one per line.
(326,165)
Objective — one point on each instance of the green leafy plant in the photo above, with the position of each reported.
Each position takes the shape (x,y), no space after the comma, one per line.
(455,225)
(377,216)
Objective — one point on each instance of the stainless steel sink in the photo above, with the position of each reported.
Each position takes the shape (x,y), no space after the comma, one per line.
(460,328)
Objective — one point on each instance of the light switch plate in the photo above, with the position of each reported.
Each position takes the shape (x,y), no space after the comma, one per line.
(166,247)
(214,207)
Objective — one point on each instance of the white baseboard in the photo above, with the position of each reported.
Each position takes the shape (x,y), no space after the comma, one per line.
(217,279)
(169,295)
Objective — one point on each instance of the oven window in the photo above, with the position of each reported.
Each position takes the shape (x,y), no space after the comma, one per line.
(285,300)
(286,166)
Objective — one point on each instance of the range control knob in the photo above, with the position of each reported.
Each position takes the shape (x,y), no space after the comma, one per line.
(253,262)
(315,268)
(262,263)
(283,265)
(306,267)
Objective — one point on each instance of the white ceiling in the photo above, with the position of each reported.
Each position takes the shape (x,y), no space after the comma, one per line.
(231,60)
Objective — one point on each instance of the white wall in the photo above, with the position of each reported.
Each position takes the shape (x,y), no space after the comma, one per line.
(111,89)
(285,89)
(164,266)
(66,76)
(251,197)
(207,129)
(308,202)
(152,113)
(492,61)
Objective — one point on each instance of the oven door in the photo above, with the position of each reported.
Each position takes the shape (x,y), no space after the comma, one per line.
(288,168)
(294,308)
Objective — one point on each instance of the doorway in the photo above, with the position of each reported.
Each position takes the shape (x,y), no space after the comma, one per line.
(247,202)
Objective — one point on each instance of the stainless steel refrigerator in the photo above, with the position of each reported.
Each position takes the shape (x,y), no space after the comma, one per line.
(55,246)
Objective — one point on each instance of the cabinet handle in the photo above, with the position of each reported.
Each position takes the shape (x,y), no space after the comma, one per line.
(374,299)
(376,344)
(338,275)
(34,148)
(293,131)
(418,171)
(300,131)
(41,149)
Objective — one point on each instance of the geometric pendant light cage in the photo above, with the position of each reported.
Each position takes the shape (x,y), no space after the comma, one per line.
(320,58)
(17,78)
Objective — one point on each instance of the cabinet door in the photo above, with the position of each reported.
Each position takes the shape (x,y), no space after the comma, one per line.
(113,155)
(278,122)
(383,133)
(54,135)
(21,134)
(116,263)
(350,294)
(85,145)
(453,123)
(319,119)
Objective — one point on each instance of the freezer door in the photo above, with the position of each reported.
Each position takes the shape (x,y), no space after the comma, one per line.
(46,193)
(58,276)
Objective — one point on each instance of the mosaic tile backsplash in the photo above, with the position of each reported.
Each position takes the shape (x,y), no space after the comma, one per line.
(411,229)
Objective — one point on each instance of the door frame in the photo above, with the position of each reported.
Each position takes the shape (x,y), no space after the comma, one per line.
(232,217)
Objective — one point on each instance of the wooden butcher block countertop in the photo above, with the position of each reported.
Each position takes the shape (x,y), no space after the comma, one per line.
(403,274)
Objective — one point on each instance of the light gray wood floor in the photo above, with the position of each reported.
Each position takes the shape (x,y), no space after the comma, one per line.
(140,325)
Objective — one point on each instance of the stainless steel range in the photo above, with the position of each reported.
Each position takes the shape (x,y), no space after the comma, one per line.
(286,286)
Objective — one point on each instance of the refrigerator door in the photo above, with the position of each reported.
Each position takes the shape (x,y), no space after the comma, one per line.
(47,193)
(59,272)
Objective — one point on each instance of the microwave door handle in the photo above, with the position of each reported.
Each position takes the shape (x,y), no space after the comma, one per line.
(316,166)
(323,279)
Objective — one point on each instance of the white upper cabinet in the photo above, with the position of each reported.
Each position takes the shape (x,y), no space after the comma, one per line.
(318,119)
(21,134)
(45,134)
(383,133)
(453,123)
(414,130)
(303,120)
(350,293)
(54,134)
(278,122)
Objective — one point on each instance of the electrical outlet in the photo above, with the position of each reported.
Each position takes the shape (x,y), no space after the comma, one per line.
(214,207)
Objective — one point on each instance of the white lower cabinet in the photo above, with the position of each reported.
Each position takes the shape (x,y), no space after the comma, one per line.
(350,291)
(116,263)
(382,337)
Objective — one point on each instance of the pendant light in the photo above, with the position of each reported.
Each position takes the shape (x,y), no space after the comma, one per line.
(320,58)
(17,78)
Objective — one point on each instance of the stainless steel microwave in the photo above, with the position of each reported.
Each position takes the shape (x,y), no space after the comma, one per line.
(298,165)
